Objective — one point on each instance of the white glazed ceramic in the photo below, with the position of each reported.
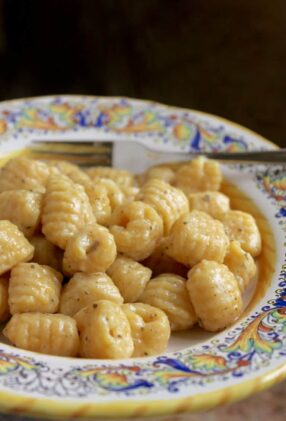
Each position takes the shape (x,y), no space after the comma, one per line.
(199,371)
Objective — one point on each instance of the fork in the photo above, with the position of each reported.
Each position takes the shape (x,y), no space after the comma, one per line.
(135,156)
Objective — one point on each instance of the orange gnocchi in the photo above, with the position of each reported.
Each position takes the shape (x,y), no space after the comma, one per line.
(83,289)
(113,332)
(137,228)
(197,236)
(91,249)
(102,263)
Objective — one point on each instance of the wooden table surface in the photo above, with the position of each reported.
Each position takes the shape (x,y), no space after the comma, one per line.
(269,405)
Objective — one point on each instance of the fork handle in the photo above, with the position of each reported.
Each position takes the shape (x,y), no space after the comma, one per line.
(278,155)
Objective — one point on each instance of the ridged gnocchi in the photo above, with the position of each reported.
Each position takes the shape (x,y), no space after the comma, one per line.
(112,190)
(120,177)
(91,249)
(99,202)
(142,255)
(24,174)
(54,334)
(70,170)
(22,208)
(83,289)
(97,194)
(241,226)
(162,173)
(241,264)
(197,236)
(150,329)
(104,331)
(169,293)
(34,288)
(130,193)
(137,228)
(215,295)
(46,253)
(170,203)
(14,247)
(66,209)
(214,203)
(160,263)
(130,277)
(200,174)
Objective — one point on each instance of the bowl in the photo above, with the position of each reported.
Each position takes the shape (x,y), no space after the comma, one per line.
(199,370)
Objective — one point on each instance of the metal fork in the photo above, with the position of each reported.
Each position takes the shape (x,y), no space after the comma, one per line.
(136,156)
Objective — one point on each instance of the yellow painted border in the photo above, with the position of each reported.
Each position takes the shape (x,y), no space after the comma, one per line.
(17,403)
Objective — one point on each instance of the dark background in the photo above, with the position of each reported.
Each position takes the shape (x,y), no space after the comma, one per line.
(220,56)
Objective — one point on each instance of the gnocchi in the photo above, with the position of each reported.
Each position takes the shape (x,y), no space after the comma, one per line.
(241,226)
(54,334)
(24,174)
(162,173)
(99,202)
(66,209)
(91,249)
(160,263)
(46,253)
(130,277)
(241,264)
(197,236)
(83,289)
(34,288)
(137,228)
(215,295)
(112,190)
(14,247)
(104,331)
(121,177)
(97,195)
(139,256)
(201,174)
(150,328)
(215,203)
(169,293)
(169,202)
(23,208)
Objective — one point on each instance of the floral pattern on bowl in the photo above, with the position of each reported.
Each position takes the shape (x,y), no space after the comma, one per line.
(250,353)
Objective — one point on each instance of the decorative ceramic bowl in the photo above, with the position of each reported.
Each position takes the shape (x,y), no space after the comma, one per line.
(199,371)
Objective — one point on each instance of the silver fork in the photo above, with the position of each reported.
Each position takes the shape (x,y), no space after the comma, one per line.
(136,156)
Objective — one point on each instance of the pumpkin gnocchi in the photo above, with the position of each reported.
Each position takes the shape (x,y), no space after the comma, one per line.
(102,263)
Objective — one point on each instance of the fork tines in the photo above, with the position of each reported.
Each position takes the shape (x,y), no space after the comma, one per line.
(82,153)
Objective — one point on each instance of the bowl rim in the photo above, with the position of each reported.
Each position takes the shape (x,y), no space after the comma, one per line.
(36,406)
(51,408)
(147,101)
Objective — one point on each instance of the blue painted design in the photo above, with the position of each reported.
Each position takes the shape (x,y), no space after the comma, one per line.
(239,143)
(138,384)
(281,300)
(171,362)
(195,142)
(81,119)
(281,213)
(101,120)
(248,347)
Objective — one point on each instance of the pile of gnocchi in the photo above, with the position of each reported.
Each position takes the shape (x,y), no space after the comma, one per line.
(100,263)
